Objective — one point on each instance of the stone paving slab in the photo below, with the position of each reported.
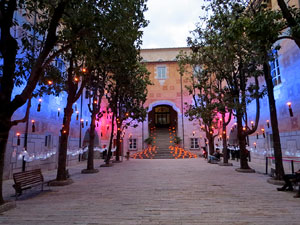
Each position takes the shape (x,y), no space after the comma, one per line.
(161,191)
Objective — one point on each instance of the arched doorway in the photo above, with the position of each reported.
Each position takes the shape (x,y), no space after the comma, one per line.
(162,116)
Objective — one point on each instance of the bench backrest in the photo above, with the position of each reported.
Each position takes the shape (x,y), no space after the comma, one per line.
(28,177)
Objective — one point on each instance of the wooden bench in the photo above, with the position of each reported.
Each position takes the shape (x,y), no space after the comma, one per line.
(28,179)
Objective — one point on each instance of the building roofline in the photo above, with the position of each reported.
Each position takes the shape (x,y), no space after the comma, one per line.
(165,48)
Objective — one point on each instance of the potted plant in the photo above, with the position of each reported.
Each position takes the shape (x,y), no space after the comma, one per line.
(149,140)
(177,140)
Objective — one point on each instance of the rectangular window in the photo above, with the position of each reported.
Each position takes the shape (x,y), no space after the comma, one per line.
(132,144)
(161,72)
(48,141)
(275,70)
(194,143)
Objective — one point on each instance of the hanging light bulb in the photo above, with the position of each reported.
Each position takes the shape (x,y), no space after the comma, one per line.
(39,105)
(18,140)
(58,112)
(77,115)
(194,132)
(50,82)
(252,124)
(82,123)
(33,126)
(254,144)
(268,123)
(83,70)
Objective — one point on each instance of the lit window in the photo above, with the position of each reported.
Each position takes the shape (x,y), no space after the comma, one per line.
(194,143)
(132,144)
(275,70)
(161,72)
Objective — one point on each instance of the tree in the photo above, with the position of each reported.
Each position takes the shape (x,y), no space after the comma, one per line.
(236,59)
(291,16)
(49,16)
(264,37)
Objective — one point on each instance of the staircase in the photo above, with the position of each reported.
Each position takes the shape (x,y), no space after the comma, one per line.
(162,143)
(163,147)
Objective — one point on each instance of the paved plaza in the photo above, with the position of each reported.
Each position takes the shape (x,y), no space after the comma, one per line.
(162,191)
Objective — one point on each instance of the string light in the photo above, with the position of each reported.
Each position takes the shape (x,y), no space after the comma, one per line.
(83,70)
(50,82)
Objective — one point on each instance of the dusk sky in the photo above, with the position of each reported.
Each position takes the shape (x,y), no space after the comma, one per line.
(170,22)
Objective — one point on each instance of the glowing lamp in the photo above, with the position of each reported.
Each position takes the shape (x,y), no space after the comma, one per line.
(50,82)
(268,123)
(244,128)
(77,115)
(18,140)
(33,126)
(58,112)
(39,105)
(263,131)
(83,70)
(76,79)
(290,109)
(194,132)
(252,124)
(82,123)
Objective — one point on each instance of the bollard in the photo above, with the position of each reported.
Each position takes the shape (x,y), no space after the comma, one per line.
(266,165)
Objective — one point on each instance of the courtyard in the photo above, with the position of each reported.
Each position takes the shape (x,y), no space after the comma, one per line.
(161,191)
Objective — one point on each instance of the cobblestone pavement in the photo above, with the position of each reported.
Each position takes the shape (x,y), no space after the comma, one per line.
(162,191)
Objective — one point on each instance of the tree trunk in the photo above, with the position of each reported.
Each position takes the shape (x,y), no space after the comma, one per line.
(279,169)
(291,21)
(224,137)
(110,140)
(211,143)
(90,161)
(4,133)
(63,144)
(242,143)
(118,150)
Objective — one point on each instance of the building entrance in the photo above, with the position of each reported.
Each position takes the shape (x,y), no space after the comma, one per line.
(162,116)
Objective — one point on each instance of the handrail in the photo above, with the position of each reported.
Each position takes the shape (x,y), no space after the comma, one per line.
(285,159)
